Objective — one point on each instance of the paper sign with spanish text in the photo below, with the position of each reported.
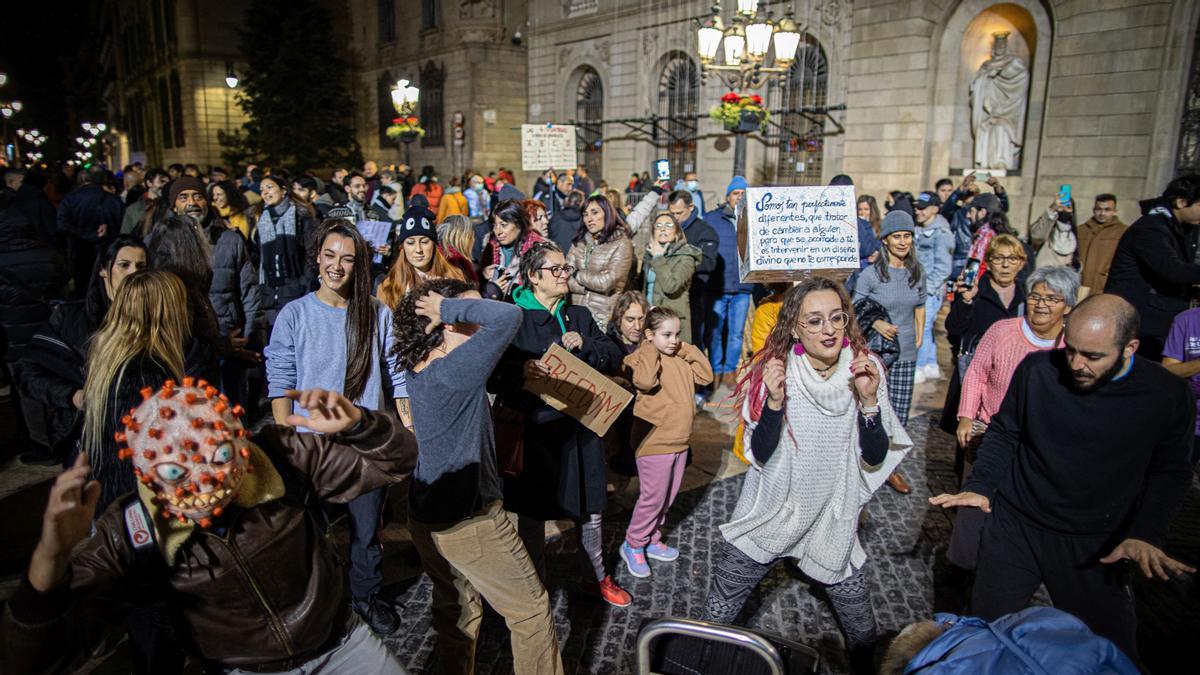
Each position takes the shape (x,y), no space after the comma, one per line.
(579,391)
(788,233)
(547,146)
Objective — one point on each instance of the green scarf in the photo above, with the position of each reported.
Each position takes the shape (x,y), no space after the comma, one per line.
(525,299)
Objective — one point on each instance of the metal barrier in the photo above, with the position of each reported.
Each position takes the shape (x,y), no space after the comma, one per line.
(708,631)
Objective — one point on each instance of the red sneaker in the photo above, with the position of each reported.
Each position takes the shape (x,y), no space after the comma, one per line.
(608,590)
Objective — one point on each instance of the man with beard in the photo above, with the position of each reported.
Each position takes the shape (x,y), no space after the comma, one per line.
(1084,466)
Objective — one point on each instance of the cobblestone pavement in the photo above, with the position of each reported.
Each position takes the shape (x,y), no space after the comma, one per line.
(905,540)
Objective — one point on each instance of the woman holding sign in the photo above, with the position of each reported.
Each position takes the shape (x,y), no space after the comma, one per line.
(897,282)
(564,472)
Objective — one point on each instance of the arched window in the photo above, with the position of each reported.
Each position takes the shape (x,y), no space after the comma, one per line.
(678,100)
(1188,158)
(384,110)
(589,111)
(433,83)
(802,149)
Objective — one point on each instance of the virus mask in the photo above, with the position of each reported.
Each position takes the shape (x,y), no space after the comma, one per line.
(189,448)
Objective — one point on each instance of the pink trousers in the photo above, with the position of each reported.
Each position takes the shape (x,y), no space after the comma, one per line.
(659,477)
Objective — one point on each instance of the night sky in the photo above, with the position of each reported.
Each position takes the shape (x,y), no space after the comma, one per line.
(41,43)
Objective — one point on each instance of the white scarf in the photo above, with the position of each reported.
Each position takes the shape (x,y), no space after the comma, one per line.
(804,502)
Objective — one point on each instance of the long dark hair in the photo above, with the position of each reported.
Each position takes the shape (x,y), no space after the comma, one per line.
(916,273)
(361,318)
(96,302)
(178,243)
(237,201)
(614,224)
(511,211)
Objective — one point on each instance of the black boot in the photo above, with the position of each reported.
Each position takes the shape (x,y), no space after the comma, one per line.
(378,614)
(862,659)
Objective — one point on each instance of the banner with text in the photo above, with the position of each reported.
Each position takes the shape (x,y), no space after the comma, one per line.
(547,146)
(787,233)
(580,391)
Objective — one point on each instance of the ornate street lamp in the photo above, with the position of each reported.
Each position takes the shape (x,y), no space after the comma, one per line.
(406,128)
(746,43)
(231,78)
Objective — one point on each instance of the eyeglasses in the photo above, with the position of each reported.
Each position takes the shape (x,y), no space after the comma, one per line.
(664,226)
(816,324)
(1047,300)
(559,270)
(1005,260)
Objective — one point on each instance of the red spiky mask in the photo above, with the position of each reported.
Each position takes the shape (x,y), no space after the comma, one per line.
(189,448)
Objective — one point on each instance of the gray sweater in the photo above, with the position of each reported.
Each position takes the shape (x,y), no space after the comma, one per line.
(308,349)
(899,299)
(456,446)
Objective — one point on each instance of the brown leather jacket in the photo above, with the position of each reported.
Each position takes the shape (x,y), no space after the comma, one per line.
(264,590)
(603,273)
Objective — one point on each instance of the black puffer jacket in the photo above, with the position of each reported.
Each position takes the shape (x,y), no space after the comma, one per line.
(32,203)
(867,312)
(234,292)
(564,225)
(32,273)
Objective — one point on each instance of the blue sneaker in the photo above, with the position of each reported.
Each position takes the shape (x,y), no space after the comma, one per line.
(661,552)
(635,560)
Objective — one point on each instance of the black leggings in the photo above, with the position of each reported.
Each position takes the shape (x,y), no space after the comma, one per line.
(737,574)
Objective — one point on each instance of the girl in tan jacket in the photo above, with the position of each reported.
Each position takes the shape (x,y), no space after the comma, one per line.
(665,371)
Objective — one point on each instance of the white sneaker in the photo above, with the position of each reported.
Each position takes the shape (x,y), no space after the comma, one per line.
(933,372)
(919,377)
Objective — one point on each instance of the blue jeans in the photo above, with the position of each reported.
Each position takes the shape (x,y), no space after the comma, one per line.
(927,354)
(366,548)
(728,315)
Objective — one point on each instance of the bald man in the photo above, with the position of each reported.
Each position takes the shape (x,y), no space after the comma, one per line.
(1084,466)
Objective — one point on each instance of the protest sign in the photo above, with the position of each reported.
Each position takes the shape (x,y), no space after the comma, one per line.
(547,146)
(579,391)
(789,233)
(376,232)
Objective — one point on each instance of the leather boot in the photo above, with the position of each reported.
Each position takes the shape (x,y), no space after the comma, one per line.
(897,483)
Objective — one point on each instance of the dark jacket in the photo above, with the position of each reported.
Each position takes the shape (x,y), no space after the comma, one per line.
(234,292)
(35,206)
(965,325)
(1153,268)
(564,474)
(85,209)
(54,366)
(564,225)
(32,273)
(701,235)
(268,570)
(725,278)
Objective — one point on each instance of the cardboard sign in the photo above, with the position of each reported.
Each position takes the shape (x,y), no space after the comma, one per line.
(790,233)
(579,391)
(547,146)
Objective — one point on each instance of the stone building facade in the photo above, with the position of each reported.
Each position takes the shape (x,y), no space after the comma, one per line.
(170,99)
(470,65)
(1108,86)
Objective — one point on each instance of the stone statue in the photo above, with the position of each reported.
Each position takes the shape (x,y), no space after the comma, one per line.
(999,93)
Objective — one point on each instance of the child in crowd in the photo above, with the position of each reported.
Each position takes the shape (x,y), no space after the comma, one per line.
(665,371)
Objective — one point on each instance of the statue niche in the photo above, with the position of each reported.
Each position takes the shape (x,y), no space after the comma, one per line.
(999,94)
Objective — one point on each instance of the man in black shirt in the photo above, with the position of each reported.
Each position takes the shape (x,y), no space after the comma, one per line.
(1084,466)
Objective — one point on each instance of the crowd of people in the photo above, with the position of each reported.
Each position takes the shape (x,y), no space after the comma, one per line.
(218,363)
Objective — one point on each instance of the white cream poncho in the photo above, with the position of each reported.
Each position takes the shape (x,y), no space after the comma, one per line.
(804,503)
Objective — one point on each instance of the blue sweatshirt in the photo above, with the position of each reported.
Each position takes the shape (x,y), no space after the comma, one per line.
(308,349)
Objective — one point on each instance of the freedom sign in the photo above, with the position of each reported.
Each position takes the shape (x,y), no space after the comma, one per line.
(786,233)
(547,146)
(579,391)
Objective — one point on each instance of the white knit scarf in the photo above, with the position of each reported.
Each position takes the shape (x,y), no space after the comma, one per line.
(804,502)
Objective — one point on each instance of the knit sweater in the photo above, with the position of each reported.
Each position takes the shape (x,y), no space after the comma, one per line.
(804,503)
(665,385)
(999,353)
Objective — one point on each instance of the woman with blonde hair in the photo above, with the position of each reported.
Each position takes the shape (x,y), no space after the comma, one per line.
(141,344)
(456,239)
(419,259)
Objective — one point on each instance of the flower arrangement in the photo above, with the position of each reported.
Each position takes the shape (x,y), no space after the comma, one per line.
(737,109)
(405,126)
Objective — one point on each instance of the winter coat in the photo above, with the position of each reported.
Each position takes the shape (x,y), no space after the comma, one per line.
(640,224)
(673,272)
(32,273)
(1033,641)
(433,192)
(234,291)
(453,203)
(54,366)
(1153,269)
(601,273)
(1097,246)
(491,255)
(701,235)
(935,250)
(565,474)
(131,222)
(564,225)
(1054,240)
(726,278)
(85,209)
(665,387)
(866,313)
(35,206)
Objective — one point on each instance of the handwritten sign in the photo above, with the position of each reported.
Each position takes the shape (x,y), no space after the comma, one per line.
(580,391)
(547,146)
(788,233)
(376,232)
